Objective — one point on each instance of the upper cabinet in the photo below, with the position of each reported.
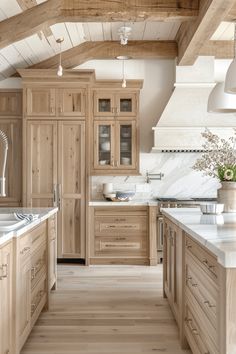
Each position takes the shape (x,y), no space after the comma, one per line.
(115,104)
(41,101)
(115,133)
(10,103)
(72,102)
(11,125)
(49,102)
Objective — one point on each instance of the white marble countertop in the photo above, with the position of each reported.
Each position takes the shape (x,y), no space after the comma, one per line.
(140,202)
(43,214)
(216,232)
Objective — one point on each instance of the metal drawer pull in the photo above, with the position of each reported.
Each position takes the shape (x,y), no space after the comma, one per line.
(120,219)
(6,271)
(209,304)
(189,279)
(120,238)
(25,249)
(189,246)
(193,330)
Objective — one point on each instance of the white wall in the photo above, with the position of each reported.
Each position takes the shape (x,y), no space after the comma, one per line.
(158,76)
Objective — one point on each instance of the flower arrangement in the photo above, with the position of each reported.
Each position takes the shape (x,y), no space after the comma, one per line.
(219,160)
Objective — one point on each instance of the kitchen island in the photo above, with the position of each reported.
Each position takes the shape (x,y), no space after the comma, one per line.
(27,271)
(200,278)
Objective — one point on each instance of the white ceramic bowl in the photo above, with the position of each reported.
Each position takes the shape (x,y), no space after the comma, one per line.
(212,208)
(103,162)
(106,146)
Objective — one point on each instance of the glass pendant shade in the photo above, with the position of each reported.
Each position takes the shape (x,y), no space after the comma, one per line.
(230,79)
(221,102)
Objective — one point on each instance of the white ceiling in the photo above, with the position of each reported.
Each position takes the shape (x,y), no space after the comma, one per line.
(39,47)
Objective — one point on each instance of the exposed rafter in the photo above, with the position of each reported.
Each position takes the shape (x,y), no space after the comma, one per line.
(192,36)
(218,49)
(27,4)
(54,11)
(110,50)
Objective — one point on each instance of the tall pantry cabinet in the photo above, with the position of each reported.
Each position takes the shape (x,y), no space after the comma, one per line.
(55,113)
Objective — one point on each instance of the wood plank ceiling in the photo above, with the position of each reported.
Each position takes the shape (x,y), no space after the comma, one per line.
(41,50)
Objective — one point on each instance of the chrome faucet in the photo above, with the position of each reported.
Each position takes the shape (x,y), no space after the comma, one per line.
(4,139)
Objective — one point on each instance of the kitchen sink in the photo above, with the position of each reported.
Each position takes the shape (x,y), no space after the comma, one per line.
(8,222)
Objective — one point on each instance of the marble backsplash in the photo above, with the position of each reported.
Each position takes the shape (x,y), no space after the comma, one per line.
(179,180)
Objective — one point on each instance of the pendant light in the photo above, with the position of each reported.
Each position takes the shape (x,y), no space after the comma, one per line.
(230,79)
(123,58)
(60,68)
(220,101)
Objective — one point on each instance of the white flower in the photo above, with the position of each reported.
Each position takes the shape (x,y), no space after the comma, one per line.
(228,175)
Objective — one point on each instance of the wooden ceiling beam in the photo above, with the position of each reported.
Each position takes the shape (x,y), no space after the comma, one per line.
(27,4)
(28,22)
(192,36)
(110,50)
(129,10)
(50,12)
(218,49)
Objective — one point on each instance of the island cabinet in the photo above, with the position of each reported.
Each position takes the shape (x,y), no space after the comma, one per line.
(201,293)
(11,125)
(115,130)
(120,235)
(6,310)
(201,298)
(172,276)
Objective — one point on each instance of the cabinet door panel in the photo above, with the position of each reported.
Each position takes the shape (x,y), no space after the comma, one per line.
(24,302)
(126,145)
(42,162)
(10,103)
(126,104)
(104,104)
(40,101)
(71,177)
(6,299)
(12,128)
(72,102)
(104,138)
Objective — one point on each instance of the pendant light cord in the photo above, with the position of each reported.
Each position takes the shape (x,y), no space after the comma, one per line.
(235,39)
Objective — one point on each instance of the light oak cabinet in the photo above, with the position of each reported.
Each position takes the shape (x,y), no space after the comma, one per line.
(34,278)
(11,103)
(115,104)
(11,125)
(56,177)
(52,252)
(172,277)
(201,298)
(115,146)
(119,235)
(115,130)
(6,313)
(205,313)
(43,101)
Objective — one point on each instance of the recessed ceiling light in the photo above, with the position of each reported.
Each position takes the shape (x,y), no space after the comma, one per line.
(123,57)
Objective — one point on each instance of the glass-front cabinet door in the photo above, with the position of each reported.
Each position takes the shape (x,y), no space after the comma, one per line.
(104,145)
(126,150)
(104,104)
(126,104)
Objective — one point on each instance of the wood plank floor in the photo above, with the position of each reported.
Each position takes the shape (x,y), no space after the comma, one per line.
(106,310)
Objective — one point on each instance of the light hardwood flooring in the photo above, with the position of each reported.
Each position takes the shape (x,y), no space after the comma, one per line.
(106,310)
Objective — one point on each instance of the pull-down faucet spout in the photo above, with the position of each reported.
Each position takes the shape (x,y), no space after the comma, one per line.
(3,138)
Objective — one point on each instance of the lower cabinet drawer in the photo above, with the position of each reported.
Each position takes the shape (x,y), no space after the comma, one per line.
(38,265)
(38,299)
(202,288)
(120,246)
(205,260)
(194,335)
(198,327)
(38,236)
(111,225)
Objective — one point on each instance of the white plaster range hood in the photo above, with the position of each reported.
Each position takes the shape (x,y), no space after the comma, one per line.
(185,115)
